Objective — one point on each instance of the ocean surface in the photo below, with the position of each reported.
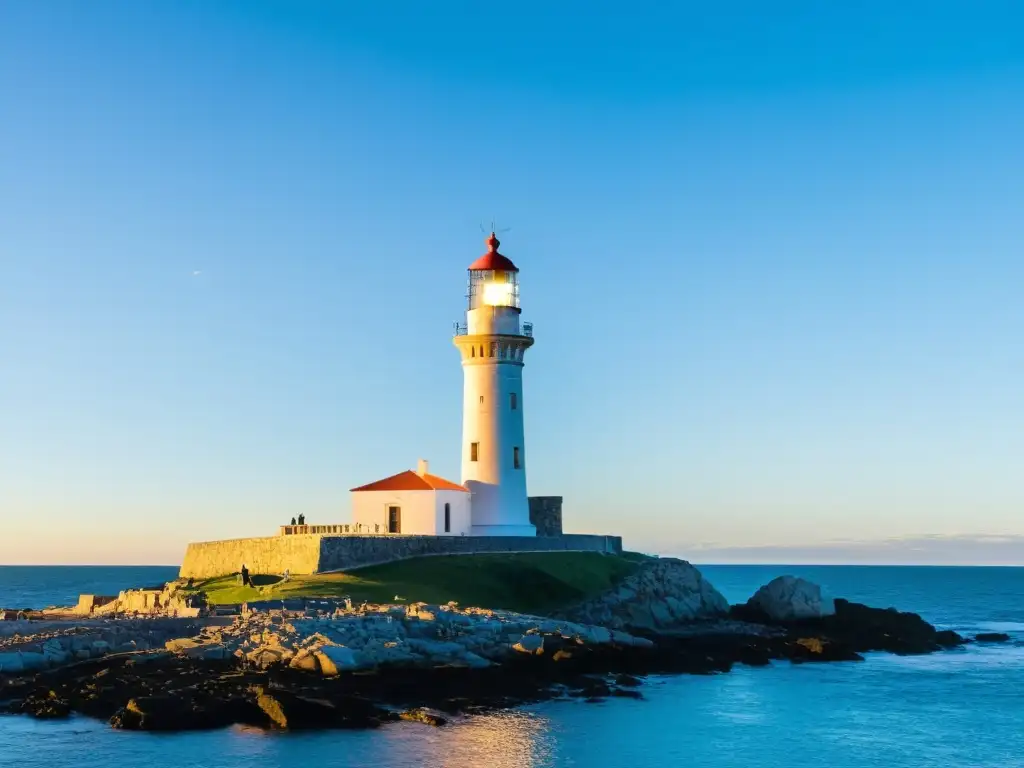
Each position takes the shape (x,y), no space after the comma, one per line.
(949,710)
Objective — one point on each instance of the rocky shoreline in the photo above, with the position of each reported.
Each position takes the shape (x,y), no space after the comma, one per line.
(331,664)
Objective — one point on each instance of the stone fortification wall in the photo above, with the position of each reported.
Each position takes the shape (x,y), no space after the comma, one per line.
(546,515)
(344,552)
(271,554)
(304,554)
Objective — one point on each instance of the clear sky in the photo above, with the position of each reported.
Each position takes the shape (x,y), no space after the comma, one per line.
(773,253)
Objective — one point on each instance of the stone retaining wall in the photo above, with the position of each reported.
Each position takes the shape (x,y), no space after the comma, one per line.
(344,552)
(305,554)
(271,554)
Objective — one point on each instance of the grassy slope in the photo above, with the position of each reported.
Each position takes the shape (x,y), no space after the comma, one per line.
(532,582)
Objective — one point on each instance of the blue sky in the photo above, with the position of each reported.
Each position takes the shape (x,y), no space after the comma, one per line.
(773,258)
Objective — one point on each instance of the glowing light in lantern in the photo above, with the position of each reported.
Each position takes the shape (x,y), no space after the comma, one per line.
(498,294)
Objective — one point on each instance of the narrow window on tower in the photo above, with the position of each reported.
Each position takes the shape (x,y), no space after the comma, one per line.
(481,399)
(515,457)
(447,518)
(474,451)
(512,400)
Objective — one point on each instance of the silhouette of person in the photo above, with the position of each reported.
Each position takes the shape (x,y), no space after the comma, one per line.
(293,521)
(302,519)
(246,581)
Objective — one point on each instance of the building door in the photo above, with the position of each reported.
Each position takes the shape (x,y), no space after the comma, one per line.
(394,519)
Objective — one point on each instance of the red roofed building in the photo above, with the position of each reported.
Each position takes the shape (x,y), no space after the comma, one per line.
(412,503)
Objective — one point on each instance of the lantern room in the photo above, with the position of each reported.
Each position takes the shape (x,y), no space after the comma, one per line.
(493,280)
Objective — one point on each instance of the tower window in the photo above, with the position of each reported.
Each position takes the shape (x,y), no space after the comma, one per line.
(481,398)
(447,517)
(513,401)
(515,457)
(474,451)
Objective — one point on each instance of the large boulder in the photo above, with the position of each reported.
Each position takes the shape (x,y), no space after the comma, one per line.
(158,713)
(660,595)
(288,711)
(15,662)
(789,598)
(334,659)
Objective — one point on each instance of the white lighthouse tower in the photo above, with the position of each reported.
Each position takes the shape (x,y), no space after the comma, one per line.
(493,343)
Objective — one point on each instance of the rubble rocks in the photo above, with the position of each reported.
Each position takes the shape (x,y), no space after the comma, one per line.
(340,638)
(47,644)
(328,664)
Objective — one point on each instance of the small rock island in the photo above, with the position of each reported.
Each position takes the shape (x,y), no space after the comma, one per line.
(184,657)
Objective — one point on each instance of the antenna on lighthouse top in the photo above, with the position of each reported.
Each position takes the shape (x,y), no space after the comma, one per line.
(494,228)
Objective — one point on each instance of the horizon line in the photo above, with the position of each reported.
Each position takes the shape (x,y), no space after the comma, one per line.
(692,562)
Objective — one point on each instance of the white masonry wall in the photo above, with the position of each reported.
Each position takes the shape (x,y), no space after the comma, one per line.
(460,516)
(418,515)
(499,505)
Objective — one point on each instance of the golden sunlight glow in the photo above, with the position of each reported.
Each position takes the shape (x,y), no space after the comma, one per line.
(498,294)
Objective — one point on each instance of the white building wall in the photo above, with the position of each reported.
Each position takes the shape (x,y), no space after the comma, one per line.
(460,515)
(418,510)
(484,320)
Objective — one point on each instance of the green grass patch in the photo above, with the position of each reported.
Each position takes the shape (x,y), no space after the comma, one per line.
(532,582)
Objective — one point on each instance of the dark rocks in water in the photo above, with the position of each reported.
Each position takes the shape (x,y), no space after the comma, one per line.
(876,629)
(855,628)
(627,693)
(287,711)
(421,715)
(817,649)
(628,681)
(992,637)
(45,705)
(755,653)
(184,712)
(156,713)
(591,688)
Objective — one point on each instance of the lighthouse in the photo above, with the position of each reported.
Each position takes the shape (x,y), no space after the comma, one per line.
(493,343)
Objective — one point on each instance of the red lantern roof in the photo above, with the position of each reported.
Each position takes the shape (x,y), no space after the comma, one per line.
(492,259)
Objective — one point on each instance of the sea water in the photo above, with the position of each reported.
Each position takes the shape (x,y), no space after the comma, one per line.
(962,708)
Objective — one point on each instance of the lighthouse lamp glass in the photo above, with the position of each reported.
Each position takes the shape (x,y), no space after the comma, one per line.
(498,294)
